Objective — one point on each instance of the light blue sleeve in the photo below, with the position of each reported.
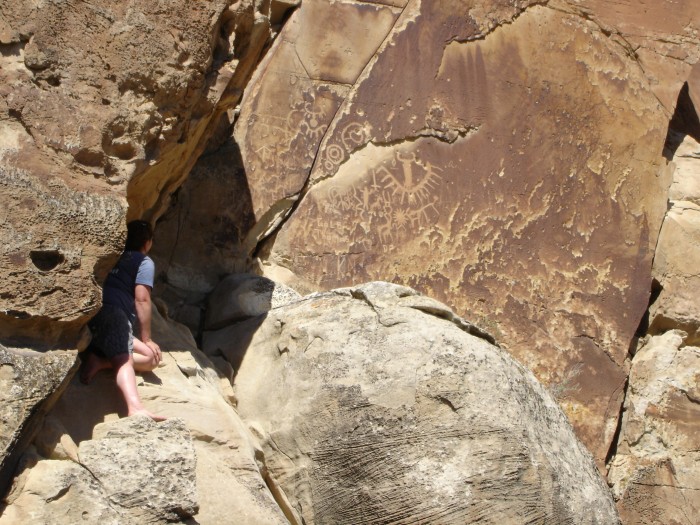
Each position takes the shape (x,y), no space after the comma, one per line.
(146,273)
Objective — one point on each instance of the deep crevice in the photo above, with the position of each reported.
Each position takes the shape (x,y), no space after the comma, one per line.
(612,451)
(684,122)
(643,327)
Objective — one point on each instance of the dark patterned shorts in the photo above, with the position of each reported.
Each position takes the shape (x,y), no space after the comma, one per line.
(112,333)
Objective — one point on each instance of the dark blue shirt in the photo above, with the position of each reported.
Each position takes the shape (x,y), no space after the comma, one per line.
(133,268)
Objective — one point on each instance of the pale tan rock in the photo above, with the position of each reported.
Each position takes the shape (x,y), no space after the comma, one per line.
(144,467)
(504,158)
(676,265)
(53,442)
(686,176)
(61,493)
(654,474)
(132,471)
(30,383)
(371,410)
(229,464)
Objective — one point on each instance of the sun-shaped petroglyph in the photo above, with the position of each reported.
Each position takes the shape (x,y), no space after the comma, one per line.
(396,200)
(411,180)
(308,119)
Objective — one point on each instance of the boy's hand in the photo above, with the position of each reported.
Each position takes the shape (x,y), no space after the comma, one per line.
(156,350)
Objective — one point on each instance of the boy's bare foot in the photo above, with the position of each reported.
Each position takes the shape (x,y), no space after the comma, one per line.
(144,412)
(91,366)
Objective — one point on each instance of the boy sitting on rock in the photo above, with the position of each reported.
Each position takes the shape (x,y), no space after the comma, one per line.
(126,298)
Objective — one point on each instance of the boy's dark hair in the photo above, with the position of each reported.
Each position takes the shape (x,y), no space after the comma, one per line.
(138,234)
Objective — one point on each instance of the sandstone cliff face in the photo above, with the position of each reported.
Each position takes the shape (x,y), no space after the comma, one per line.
(505,157)
(502,157)
(374,407)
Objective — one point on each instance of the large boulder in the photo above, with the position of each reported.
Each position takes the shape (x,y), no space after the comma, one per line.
(503,157)
(87,463)
(374,404)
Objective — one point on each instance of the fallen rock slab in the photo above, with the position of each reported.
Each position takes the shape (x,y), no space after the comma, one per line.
(145,467)
(29,383)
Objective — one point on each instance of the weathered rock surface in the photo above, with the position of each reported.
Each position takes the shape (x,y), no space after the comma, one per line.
(372,410)
(102,105)
(655,474)
(145,467)
(504,158)
(678,251)
(101,479)
(655,471)
(29,384)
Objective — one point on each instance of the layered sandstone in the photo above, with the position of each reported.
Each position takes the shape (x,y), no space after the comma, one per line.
(102,106)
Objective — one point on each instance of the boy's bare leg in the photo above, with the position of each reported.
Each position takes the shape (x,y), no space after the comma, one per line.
(145,358)
(126,381)
(93,364)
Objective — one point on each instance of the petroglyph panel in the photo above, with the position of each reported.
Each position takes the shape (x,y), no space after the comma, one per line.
(388,193)
(500,176)
(282,128)
(299,90)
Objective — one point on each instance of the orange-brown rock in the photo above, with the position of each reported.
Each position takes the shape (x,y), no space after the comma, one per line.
(504,158)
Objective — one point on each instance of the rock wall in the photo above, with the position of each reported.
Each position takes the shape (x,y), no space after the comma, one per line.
(654,473)
(521,181)
(505,158)
(104,108)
